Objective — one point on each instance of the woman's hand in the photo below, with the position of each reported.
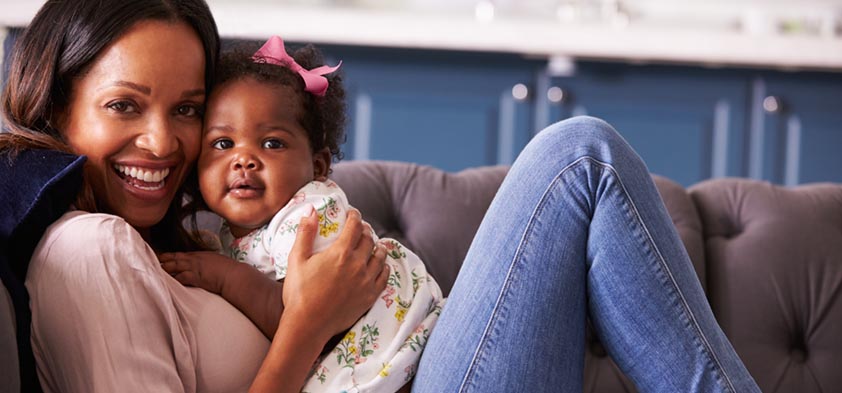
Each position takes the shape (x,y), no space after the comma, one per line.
(334,288)
(323,294)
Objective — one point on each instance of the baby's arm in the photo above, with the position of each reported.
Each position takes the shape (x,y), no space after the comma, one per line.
(258,297)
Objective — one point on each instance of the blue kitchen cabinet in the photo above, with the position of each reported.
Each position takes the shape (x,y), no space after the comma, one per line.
(451,110)
(455,110)
(687,123)
(796,129)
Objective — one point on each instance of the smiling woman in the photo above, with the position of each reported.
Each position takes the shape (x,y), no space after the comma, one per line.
(43,173)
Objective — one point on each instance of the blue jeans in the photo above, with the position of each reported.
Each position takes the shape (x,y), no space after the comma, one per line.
(578,229)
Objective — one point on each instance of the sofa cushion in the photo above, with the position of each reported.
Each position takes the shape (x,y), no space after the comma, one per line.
(775,278)
(434,213)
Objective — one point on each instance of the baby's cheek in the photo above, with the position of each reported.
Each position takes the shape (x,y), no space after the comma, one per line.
(211,178)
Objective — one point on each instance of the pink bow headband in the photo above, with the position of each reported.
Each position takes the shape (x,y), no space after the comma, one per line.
(273,52)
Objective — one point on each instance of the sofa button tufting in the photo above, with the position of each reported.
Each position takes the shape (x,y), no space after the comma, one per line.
(733,232)
(799,355)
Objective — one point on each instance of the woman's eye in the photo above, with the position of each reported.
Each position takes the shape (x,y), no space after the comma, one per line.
(189,110)
(222,144)
(273,144)
(122,107)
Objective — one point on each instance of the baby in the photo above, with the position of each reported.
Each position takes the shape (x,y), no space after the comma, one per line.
(271,130)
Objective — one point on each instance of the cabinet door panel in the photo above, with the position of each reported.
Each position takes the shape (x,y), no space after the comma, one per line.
(821,155)
(447,132)
(449,110)
(687,124)
(803,134)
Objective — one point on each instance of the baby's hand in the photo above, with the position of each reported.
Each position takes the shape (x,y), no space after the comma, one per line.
(203,269)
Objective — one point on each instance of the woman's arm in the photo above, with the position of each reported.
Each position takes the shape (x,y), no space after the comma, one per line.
(323,294)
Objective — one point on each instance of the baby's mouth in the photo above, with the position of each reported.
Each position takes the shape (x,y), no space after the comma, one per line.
(246,187)
(143,178)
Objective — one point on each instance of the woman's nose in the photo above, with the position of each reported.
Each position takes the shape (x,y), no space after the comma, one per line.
(158,138)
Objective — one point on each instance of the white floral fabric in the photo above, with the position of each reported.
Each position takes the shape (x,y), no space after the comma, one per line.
(381,351)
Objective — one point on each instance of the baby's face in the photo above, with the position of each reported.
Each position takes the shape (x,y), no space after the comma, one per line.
(255,153)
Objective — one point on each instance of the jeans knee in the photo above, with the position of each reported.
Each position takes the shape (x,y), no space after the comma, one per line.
(579,137)
(580,130)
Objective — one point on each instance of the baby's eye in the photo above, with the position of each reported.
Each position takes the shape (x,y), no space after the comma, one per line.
(222,144)
(273,144)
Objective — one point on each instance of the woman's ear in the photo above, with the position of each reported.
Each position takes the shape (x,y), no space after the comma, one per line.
(321,164)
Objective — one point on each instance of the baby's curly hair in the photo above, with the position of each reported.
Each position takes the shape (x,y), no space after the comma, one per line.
(322,117)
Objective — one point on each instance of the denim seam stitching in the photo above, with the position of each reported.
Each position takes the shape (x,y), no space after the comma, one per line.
(507,281)
(666,268)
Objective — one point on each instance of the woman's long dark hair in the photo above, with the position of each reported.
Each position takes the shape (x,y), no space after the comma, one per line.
(60,44)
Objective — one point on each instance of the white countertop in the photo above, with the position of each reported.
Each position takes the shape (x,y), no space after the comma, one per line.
(547,38)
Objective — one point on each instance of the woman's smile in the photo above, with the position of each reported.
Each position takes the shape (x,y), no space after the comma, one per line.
(146,179)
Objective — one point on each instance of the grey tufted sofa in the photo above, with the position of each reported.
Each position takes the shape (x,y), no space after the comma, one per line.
(769,258)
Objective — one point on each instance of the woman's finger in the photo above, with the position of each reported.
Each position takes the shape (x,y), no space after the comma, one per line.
(383,278)
(302,249)
(351,232)
(365,247)
(376,261)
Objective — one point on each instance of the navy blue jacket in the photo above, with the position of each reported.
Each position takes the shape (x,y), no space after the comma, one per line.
(36,188)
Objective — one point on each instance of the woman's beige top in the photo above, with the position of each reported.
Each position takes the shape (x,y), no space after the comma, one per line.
(107,318)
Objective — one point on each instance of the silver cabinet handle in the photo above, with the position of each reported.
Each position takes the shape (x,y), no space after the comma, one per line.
(520,92)
(555,94)
(772,104)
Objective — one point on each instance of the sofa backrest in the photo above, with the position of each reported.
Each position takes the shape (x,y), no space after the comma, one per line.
(436,213)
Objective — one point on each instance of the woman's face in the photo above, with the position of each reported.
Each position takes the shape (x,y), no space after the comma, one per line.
(136,114)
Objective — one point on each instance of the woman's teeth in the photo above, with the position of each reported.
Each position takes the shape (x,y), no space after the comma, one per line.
(151,179)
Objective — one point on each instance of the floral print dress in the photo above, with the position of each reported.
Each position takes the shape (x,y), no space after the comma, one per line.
(381,351)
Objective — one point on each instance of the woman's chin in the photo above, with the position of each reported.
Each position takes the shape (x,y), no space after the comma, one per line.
(141,204)
(141,220)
